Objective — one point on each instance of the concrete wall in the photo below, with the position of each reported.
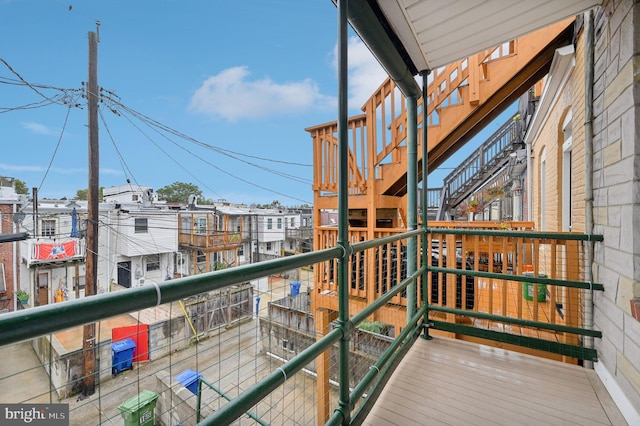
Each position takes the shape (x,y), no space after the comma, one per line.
(617,200)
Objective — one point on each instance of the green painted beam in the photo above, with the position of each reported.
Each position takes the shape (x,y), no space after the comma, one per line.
(524,341)
(30,323)
(568,236)
(518,321)
(519,278)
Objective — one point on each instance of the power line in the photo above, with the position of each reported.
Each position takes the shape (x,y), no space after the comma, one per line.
(56,150)
(157,125)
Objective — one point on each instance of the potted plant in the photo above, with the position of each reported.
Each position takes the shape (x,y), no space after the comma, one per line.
(22,296)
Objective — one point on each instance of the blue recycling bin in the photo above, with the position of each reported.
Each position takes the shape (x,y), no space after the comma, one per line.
(189,379)
(122,355)
(295,288)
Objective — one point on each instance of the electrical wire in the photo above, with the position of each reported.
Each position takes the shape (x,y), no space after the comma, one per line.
(66,119)
(161,127)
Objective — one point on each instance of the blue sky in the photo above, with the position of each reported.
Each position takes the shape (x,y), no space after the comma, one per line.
(238,78)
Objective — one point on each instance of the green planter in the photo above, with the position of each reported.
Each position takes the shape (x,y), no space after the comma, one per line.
(23,298)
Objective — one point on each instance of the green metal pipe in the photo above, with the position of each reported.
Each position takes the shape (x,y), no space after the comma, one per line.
(225,396)
(519,278)
(572,351)
(385,298)
(518,321)
(424,198)
(237,407)
(30,323)
(414,323)
(366,23)
(198,411)
(369,244)
(568,236)
(412,195)
(343,208)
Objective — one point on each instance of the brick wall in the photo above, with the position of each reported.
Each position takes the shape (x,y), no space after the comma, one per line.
(617,199)
(6,255)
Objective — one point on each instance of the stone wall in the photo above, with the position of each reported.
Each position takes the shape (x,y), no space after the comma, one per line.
(617,199)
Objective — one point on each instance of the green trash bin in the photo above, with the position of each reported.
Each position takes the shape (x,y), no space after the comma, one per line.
(139,410)
(529,288)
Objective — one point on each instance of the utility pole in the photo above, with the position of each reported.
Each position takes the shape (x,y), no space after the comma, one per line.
(89,331)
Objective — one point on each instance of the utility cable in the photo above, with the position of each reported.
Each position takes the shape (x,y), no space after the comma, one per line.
(155,124)
(66,119)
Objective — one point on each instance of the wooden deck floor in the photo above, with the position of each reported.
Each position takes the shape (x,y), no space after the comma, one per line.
(451,382)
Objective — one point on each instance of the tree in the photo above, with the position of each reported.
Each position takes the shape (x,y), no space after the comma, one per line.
(21,187)
(178,192)
(83,194)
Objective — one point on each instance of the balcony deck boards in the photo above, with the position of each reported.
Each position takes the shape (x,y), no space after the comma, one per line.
(445,381)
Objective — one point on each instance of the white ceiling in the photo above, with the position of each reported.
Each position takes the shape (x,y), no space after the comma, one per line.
(438,32)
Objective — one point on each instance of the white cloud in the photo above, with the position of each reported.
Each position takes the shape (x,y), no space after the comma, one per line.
(37,128)
(365,73)
(232,95)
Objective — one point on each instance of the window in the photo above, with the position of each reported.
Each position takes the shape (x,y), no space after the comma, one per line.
(241,251)
(269,246)
(134,197)
(201,257)
(270,223)
(3,282)
(141,225)
(293,222)
(153,262)
(567,185)
(48,228)
(543,190)
(279,223)
(201,226)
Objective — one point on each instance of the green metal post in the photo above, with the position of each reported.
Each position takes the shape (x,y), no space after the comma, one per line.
(412,195)
(343,211)
(425,174)
(198,412)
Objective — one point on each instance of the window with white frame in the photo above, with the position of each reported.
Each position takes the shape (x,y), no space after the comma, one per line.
(293,222)
(48,228)
(279,223)
(3,281)
(153,262)
(567,185)
(269,223)
(543,190)
(141,225)
(269,247)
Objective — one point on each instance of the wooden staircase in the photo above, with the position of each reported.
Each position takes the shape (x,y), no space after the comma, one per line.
(462,98)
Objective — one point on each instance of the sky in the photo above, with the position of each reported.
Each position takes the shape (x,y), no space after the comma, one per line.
(214,93)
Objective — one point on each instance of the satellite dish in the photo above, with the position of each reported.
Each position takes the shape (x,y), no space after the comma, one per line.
(18,217)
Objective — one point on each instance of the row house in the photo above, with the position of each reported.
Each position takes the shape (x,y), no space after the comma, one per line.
(144,241)
(10,205)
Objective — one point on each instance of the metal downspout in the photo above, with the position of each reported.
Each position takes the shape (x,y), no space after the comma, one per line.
(425,174)
(412,195)
(343,211)
(588,187)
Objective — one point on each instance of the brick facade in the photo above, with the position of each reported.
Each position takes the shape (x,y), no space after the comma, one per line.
(617,198)
(6,256)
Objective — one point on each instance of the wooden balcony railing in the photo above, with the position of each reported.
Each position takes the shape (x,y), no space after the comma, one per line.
(211,241)
(498,269)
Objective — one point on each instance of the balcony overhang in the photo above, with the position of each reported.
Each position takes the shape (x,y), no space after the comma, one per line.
(409,36)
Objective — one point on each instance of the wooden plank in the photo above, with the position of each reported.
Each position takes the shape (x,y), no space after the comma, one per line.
(447,381)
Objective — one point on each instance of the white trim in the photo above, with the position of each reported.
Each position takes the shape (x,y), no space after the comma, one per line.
(624,405)
(564,59)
